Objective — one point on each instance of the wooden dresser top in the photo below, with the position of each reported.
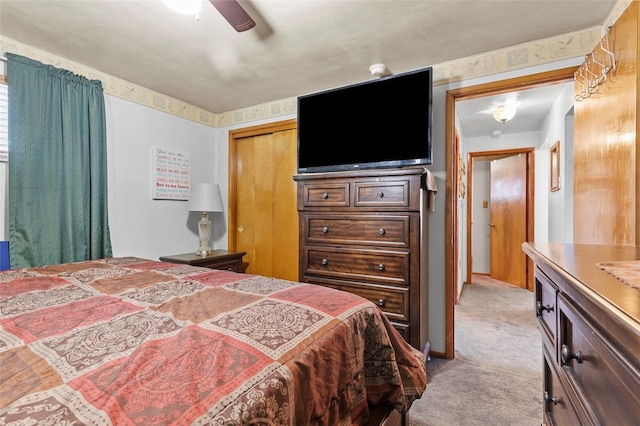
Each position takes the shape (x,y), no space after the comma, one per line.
(577,264)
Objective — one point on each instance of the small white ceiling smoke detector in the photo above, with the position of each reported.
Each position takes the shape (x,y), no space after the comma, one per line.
(378,70)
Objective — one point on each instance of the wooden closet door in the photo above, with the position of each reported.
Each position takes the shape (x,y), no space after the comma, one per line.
(265,221)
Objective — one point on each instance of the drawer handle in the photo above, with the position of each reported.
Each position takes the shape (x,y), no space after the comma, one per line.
(382,231)
(540,308)
(325,262)
(381,267)
(550,399)
(381,302)
(325,229)
(567,355)
(325,195)
(380,194)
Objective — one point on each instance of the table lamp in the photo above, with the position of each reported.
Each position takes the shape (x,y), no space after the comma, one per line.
(205,198)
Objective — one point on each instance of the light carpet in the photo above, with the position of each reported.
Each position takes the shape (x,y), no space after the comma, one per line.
(496,375)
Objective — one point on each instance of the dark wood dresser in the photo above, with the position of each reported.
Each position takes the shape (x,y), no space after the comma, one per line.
(365,232)
(590,326)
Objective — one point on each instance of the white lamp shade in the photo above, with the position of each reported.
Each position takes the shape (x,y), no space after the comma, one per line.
(205,197)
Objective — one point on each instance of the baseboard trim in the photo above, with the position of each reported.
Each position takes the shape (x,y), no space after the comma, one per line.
(435,354)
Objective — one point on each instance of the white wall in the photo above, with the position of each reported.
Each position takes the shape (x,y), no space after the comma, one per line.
(141,226)
(461,232)
(481,217)
(567,172)
(541,196)
(437,245)
(558,126)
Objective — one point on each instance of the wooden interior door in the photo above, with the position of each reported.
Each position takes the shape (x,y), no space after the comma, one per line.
(263,218)
(509,219)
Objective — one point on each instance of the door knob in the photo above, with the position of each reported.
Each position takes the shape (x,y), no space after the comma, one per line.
(491,225)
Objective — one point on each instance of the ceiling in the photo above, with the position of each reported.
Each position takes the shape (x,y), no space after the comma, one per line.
(533,105)
(297,47)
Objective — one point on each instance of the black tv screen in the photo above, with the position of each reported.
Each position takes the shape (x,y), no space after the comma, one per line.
(374,124)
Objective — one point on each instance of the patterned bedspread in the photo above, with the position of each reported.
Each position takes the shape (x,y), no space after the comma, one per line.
(128,341)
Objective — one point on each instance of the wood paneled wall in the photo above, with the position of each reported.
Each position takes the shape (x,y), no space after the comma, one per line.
(606,152)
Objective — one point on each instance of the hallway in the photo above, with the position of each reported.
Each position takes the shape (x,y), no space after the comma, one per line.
(496,375)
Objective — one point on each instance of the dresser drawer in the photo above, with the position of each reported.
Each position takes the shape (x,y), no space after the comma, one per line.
(325,194)
(382,194)
(403,329)
(381,266)
(367,229)
(558,409)
(545,293)
(393,301)
(608,383)
(234,266)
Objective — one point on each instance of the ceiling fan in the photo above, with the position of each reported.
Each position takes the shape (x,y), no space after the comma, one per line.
(231,10)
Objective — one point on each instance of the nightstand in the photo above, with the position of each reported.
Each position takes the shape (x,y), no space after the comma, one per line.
(217,259)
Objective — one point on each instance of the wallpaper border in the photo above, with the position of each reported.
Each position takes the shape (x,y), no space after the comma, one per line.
(516,57)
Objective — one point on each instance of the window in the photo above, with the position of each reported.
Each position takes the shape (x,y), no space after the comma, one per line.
(4,119)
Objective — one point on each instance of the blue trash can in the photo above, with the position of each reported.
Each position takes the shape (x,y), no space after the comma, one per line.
(4,256)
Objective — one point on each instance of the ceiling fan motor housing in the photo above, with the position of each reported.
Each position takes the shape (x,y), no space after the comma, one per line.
(233,12)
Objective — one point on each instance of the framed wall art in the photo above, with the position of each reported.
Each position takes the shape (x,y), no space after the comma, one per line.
(170,174)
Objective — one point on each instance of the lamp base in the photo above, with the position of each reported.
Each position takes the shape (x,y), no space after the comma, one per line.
(204,231)
(204,250)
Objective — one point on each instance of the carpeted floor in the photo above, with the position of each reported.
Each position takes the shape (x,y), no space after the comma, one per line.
(496,375)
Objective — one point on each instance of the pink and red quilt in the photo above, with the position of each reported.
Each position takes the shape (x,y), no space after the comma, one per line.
(129,341)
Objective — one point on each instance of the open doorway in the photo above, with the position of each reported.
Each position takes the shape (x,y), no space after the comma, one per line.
(453,217)
(499,212)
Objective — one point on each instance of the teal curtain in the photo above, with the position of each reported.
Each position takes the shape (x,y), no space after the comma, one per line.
(57,166)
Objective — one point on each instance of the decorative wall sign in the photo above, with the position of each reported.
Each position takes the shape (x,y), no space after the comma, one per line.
(170,171)
(462,172)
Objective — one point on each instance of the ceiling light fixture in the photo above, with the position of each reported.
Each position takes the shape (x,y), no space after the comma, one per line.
(504,113)
(185,7)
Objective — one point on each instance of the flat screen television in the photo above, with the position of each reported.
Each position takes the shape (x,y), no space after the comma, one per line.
(381,123)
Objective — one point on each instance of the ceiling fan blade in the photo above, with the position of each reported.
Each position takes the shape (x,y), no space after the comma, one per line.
(233,12)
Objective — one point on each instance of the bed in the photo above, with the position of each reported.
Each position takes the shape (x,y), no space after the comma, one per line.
(129,341)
